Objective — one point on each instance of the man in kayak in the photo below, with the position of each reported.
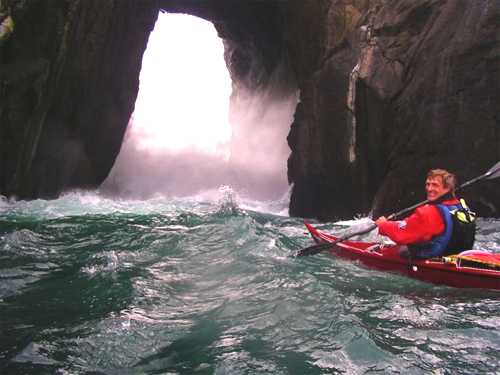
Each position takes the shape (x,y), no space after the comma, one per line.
(436,229)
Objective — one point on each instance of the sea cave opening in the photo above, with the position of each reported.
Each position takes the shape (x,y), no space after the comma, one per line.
(191,129)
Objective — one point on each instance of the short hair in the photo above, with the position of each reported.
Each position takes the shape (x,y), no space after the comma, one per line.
(449,179)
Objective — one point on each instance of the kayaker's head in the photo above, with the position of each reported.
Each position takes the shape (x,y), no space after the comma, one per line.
(439,182)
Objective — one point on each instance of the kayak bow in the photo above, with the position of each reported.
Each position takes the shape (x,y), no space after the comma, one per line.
(469,269)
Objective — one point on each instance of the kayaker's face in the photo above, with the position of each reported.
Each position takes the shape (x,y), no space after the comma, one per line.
(434,188)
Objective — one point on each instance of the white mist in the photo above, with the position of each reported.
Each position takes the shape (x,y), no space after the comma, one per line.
(185,136)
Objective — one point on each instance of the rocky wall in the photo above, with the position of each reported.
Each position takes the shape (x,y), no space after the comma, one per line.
(388,89)
(69,76)
(408,86)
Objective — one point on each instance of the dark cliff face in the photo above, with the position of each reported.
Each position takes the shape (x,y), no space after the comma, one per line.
(69,79)
(413,85)
(387,90)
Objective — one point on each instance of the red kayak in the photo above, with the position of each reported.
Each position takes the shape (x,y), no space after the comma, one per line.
(469,269)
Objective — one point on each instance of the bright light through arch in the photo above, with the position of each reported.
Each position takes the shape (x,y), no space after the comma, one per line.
(183,99)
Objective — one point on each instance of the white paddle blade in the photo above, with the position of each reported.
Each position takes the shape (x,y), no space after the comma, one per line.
(494,171)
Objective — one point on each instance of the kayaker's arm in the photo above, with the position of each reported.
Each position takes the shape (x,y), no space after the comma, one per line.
(421,226)
(380,221)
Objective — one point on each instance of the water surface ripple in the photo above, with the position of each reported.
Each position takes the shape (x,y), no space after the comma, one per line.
(89,285)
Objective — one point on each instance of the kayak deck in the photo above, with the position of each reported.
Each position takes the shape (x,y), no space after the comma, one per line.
(475,269)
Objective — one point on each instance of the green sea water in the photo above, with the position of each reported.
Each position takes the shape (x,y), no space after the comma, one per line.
(206,285)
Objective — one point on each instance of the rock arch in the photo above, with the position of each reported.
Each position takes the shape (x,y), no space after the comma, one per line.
(424,93)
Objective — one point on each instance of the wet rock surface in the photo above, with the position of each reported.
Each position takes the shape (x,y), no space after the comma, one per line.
(411,86)
(387,91)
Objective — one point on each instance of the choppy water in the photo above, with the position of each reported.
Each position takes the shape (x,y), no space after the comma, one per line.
(90,285)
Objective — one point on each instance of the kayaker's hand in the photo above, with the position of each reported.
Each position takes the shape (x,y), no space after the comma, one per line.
(380,220)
